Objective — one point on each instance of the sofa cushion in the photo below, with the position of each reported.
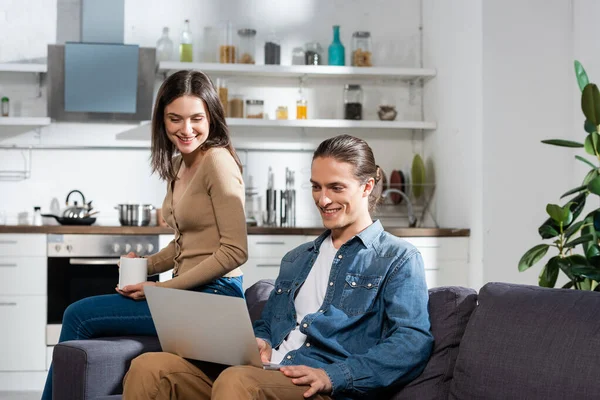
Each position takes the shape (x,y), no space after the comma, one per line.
(257,296)
(449,311)
(527,342)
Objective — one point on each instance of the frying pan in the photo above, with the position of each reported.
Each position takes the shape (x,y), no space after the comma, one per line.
(72,221)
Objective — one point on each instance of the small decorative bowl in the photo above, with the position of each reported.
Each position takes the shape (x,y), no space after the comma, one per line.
(387,113)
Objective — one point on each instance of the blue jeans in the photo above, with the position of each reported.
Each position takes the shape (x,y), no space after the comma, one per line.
(116,315)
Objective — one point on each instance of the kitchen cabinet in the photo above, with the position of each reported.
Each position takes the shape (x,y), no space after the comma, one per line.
(23,269)
(163,241)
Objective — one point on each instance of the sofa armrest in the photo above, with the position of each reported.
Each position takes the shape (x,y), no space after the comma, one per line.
(86,369)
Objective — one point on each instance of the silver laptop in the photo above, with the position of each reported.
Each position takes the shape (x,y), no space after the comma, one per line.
(204,326)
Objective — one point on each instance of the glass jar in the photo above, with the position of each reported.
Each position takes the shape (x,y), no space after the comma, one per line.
(226,45)
(247,46)
(272,50)
(353,99)
(164,47)
(236,106)
(313,54)
(301,107)
(281,112)
(210,43)
(361,49)
(223,93)
(298,56)
(255,109)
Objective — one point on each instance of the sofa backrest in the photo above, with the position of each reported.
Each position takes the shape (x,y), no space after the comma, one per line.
(527,342)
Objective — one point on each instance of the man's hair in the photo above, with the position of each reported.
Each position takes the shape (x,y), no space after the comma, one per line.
(354,151)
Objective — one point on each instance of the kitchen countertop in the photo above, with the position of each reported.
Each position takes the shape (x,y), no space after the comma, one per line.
(252,230)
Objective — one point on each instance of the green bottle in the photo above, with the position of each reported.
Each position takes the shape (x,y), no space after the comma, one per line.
(337,55)
(5,106)
(186,53)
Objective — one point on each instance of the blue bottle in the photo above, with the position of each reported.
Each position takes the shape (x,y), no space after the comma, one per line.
(337,55)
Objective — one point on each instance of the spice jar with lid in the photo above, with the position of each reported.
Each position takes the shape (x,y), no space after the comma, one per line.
(247,46)
(353,99)
(361,49)
(255,109)
(226,45)
(298,56)
(281,112)
(5,106)
(313,54)
(272,50)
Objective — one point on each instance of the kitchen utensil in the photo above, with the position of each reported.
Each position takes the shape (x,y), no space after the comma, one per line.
(397,181)
(134,214)
(71,221)
(387,113)
(76,211)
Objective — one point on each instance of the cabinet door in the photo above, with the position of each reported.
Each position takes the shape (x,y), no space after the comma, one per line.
(256,269)
(22,337)
(272,246)
(22,245)
(23,275)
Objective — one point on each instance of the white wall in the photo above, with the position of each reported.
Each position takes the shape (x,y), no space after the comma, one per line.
(393,25)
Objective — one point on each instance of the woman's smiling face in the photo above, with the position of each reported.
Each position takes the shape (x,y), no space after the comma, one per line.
(186,123)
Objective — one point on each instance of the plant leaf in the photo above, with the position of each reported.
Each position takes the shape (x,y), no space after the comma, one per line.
(562,143)
(568,285)
(580,240)
(575,190)
(549,273)
(594,186)
(581,75)
(547,231)
(532,256)
(586,161)
(573,229)
(595,139)
(589,146)
(589,127)
(586,284)
(590,103)
(556,213)
(590,176)
(566,264)
(587,272)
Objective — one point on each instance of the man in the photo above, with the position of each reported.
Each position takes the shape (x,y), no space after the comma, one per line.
(348,314)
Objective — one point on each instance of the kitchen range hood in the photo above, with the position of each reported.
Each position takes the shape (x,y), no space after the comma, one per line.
(101,79)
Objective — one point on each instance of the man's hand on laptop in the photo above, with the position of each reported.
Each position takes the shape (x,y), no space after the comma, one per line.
(136,292)
(302,375)
(265,350)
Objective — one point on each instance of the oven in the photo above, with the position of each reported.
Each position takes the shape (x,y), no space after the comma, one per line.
(84,265)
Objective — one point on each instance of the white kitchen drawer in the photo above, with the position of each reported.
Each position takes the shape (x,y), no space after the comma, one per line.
(442,248)
(23,333)
(23,275)
(22,245)
(256,269)
(272,246)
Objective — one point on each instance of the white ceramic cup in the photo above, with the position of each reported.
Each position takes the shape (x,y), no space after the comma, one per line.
(132,271)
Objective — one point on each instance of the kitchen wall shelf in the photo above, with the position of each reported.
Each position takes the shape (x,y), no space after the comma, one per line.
(23,67)
(10,126)
(301,71)
(142,132)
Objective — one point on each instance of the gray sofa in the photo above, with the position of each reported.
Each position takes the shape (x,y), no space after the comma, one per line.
(507,342)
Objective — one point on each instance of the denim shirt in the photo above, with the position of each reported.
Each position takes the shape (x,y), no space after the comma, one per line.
(372,330)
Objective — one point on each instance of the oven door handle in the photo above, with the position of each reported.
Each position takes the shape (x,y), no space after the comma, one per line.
(93,261)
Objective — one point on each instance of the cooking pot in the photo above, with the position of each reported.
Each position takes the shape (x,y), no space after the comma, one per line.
(134,214)
(75,214)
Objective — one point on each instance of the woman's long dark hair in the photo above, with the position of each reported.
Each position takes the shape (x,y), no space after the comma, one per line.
(187,83)
(356,152)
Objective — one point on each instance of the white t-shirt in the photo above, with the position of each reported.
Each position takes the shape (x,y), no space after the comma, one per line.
(309,299)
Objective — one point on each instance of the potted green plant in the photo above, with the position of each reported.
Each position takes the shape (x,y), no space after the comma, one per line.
(566,228)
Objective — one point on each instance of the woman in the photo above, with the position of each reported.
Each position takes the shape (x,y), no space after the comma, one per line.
(204,205)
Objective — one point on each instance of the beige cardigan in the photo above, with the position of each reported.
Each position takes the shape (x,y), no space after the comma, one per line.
(209,223)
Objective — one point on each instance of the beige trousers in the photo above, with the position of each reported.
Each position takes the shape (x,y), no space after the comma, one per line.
(168,376)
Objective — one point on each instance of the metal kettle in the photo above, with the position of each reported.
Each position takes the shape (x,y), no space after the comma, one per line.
(76,211)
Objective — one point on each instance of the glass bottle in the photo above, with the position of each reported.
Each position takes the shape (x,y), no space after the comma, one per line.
(226,45)
(337,53)
(361,49)
(247,46)
(272,50)
(301,107)
(223,94)
(37,216)
(5,106)
(353,99)
(164,46)
(186,53)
